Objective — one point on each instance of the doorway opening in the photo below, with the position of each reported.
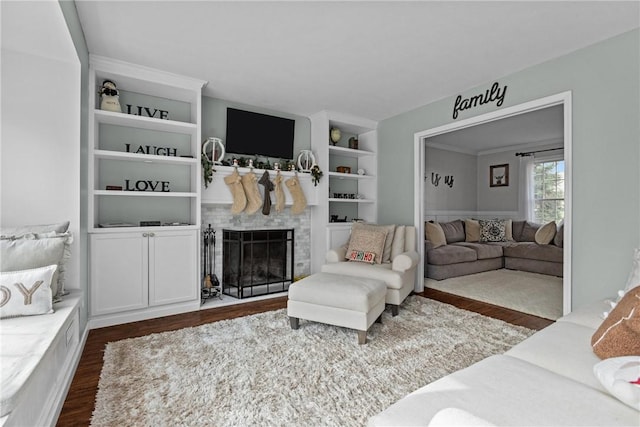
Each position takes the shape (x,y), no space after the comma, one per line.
(440,137)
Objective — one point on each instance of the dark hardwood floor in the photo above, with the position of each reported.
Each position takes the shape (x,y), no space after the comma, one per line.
(79,403)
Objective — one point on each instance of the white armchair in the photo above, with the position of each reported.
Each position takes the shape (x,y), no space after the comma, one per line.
(399,274)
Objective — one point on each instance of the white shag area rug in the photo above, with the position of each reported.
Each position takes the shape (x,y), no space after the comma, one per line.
(257,371)
(532,293)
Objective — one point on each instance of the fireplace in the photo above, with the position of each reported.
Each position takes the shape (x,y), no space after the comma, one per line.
(256,262)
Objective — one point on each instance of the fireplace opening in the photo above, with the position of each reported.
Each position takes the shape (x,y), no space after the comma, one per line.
(256,262)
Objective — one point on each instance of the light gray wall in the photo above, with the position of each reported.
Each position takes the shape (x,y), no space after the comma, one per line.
(462,168)
(604,80)
(214,122)
(497,198)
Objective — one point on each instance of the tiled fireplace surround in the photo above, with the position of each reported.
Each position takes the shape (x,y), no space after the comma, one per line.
(220,217)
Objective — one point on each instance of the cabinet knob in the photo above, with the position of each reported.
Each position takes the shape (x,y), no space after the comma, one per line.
(145,234)
(152,234)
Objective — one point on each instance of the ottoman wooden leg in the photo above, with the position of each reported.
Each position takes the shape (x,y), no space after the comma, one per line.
(362,337)
(295,322)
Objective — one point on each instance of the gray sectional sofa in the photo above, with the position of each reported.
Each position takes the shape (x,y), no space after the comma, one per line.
(460,257)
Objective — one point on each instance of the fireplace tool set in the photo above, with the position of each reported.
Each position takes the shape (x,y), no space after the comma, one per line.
(210,284)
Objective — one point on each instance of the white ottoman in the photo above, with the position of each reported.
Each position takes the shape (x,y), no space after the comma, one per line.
(349,302)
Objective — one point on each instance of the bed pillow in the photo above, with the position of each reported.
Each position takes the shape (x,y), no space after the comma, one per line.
(435,234)
(37,250)
(59,228)
(493,230)
(26,292)
(546,233)
(386,253)
(620,376)
(366,245)
(619,334)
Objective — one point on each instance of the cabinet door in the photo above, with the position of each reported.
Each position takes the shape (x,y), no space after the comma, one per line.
(119,275)
(173,266)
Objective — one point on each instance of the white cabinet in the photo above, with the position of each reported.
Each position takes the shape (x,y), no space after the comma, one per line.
(144,193)
(133,272)
(342,196)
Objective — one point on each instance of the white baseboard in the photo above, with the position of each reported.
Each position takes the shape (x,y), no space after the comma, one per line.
(144,314)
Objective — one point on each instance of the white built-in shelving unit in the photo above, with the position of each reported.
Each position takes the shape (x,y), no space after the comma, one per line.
(140,271)
(360,201)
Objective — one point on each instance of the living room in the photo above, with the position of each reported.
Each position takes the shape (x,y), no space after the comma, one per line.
(45,98)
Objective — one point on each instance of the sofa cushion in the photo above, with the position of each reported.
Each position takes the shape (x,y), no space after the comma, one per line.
(516,229)
(562,348)
(590,315)
(529,230)
(493,230)
(471,230)
(619,334)
(453,231)
(435,234)
(398,244)
(509,392)
(558,239)
(451,254)
(483,250)
(392,278)
(546,233)
(533,251)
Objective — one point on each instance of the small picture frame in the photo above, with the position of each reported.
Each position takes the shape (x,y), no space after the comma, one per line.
(499,175)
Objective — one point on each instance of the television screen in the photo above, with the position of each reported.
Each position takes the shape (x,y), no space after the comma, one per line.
(259,134)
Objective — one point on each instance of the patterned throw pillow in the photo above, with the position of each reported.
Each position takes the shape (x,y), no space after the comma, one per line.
(366,240)
(493,230)
(362,256)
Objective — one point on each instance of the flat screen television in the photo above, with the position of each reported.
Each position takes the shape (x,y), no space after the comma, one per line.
(259,134)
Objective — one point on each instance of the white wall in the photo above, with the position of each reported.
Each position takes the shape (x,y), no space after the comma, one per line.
(40,140)
(462,168)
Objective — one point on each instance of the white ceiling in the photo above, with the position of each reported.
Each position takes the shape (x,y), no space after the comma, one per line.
(537,128)
(367,58)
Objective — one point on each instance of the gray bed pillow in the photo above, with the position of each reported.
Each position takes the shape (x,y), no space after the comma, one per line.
(20,230)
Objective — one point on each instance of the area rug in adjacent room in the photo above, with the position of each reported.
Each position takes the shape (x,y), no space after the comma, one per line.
(532,293)
(257,371)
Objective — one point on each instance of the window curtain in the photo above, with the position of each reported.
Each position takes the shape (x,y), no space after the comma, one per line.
(526,203)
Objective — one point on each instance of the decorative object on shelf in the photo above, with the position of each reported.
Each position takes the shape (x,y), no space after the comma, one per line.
(316,174)
(152,149)
(214,150)
(499,175)
(334,218)
(147,185)
(268,188)
(299,200)
(279,191)
(141,110)
(150,223)
(234,182)
(210,283)
(306,160)
(353,143)
(109,97)
(254,200)
(114,187)
(334,135)
(361,171)
(343,169)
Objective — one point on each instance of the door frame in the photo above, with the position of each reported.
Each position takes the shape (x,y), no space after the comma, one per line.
(564,99)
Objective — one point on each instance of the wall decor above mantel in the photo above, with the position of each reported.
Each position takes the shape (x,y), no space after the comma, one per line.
(490,95)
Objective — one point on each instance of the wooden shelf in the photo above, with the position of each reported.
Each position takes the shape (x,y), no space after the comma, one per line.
(340,175)
(121,193)
(145,158)
(148,123)
(349,152)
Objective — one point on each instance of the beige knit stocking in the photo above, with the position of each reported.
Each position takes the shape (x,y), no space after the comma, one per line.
(299,201)
(279,193)
(234,183)
(254,200)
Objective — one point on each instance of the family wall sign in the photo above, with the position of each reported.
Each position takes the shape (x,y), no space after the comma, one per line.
(495,94)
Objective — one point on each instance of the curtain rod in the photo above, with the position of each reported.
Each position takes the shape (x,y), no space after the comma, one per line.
(531,153)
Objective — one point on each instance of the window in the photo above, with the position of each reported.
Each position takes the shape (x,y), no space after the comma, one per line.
(548,181)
